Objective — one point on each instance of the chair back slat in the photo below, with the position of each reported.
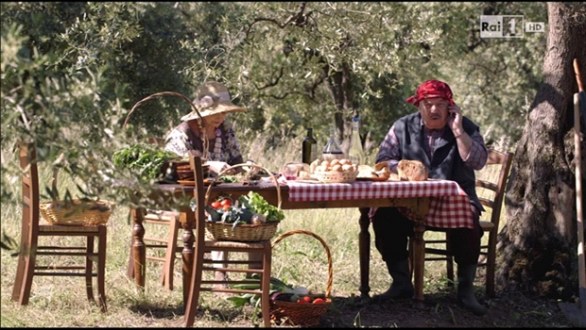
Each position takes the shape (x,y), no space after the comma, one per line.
(491,182)
(30,187)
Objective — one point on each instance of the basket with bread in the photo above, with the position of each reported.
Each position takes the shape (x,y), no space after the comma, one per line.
(334,170)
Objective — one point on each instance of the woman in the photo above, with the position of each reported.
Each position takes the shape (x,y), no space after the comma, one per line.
(213,103)
(222,148)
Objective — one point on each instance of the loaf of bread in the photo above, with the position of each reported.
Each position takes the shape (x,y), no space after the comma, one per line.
(412,170)
(380,172)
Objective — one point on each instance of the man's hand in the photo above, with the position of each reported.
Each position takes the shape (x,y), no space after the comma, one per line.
(455,119)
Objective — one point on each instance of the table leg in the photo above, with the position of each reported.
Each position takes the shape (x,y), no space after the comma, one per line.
(364,251)
(138,247)
(187,220)
(418,260)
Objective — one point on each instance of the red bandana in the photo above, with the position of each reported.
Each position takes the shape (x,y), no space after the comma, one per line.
(429,89)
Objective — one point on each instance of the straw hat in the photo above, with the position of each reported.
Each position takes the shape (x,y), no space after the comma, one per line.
(212,98)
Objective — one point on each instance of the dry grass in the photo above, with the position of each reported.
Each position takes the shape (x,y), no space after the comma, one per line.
(299,260)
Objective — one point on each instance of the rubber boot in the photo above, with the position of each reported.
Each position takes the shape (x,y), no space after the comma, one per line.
(466,275)
(402,287)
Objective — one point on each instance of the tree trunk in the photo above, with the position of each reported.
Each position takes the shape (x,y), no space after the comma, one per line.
(537,246)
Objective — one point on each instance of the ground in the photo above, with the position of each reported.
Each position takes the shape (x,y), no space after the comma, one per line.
(441,310)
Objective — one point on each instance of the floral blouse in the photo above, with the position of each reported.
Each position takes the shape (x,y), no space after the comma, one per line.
(224,147)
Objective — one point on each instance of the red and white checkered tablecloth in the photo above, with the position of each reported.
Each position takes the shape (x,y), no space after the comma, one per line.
(449,204)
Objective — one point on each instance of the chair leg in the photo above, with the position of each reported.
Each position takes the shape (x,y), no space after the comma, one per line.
(491,265)
(130,267)
(449,261)
(19,279)
(89,268)
(266,285)
(29,260)
(102,240)
(168,267)
(193,296)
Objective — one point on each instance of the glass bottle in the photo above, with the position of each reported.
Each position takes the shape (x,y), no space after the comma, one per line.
(309,147)
(356,152)
(332,149)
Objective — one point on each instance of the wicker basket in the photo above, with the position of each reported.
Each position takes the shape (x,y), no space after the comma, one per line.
(307,315)
(77,212)
(201,122)
(336,176)
(220,231)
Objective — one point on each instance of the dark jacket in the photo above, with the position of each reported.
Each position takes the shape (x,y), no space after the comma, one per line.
(446,162)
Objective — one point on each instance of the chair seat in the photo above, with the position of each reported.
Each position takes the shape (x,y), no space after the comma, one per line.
(235,245)
(52,229)
(486,225)
(161,215)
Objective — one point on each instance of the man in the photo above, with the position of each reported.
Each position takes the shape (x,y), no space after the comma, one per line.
(451,147)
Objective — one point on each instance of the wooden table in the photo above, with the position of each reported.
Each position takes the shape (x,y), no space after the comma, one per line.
(439,203)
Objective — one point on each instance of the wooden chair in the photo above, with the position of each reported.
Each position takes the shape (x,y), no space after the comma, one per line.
(232,265)
(161,249)
(31,252)
(490,187)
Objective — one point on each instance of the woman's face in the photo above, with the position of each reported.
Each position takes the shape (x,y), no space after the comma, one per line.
(434,112)
(215,120)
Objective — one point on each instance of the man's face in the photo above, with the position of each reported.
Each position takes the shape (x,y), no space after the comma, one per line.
(434,112)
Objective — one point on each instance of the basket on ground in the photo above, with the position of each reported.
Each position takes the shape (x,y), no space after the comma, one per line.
(76,212)
(293,313)
(221,231)
(336,176)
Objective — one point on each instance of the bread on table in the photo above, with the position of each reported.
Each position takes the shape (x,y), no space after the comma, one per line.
(412,170)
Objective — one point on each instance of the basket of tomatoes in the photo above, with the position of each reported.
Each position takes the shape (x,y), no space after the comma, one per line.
(248,218)
(301,307)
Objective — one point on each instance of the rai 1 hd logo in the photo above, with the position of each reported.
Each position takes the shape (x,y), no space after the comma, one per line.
(507,26)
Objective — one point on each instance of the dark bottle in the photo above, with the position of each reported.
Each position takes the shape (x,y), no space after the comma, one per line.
(309,147)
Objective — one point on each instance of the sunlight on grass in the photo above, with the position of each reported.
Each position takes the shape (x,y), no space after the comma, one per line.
(298,260)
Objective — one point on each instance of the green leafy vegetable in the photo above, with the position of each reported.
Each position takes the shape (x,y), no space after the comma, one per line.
(259,205)
(146,160)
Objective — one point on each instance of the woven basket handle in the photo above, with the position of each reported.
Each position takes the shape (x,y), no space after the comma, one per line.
(323,243)
(201,122)
(244,165)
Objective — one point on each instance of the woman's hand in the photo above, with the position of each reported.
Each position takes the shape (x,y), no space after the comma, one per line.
(217,166)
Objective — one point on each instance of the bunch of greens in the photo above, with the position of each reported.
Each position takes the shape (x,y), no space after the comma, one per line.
(259,205)
(147,161)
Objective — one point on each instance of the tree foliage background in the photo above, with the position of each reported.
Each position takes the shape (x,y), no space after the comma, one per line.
(71,72)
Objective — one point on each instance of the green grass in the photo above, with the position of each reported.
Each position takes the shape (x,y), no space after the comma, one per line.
(298,259)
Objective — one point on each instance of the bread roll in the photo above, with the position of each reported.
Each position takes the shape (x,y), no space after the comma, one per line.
(412,170)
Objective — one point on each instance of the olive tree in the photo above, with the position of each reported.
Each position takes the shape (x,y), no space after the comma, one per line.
(537,247)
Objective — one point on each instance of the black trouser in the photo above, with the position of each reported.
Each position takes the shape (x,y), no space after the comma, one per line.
(392,228)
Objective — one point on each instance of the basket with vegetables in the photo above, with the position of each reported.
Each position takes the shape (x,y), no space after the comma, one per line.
(248,218)
(297,305)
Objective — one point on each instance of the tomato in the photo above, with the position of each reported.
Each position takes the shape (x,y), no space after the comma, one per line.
(301,301)
(216,205)
(226,207)
(307,299)
(318,301)
(226,201)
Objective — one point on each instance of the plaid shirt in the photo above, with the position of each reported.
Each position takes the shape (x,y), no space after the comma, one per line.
(224,147)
